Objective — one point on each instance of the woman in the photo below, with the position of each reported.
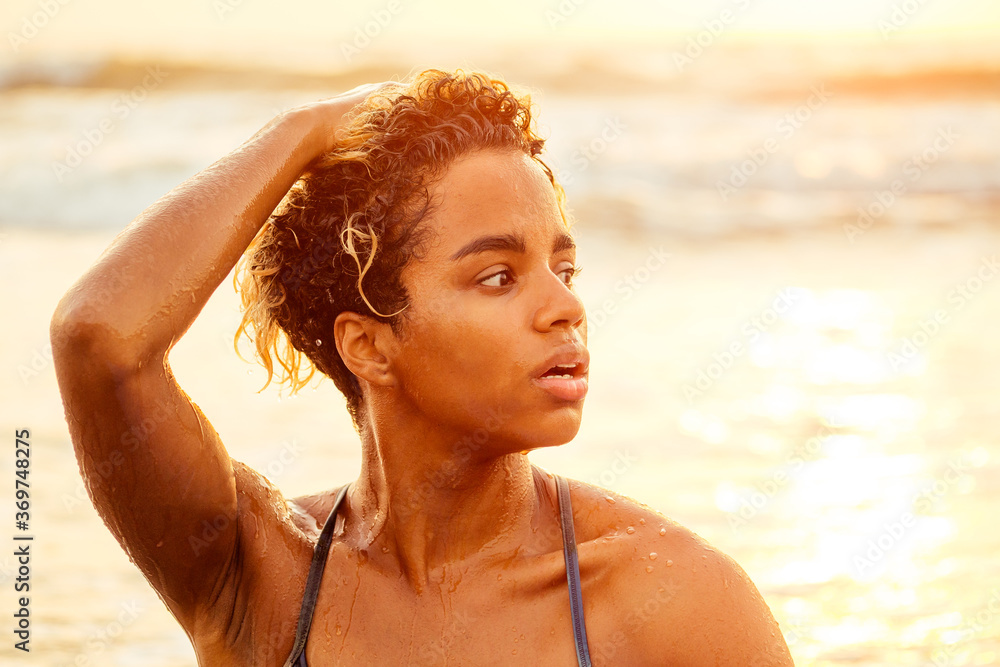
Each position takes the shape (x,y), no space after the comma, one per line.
(420,256)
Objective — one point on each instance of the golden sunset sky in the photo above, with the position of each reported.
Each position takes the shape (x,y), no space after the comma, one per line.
(259,30)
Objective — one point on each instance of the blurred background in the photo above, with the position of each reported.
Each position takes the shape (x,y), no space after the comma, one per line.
(787,214)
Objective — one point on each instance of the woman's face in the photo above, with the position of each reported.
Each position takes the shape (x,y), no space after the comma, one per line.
(491,303)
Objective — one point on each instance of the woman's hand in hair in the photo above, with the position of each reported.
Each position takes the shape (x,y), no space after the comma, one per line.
(332,114)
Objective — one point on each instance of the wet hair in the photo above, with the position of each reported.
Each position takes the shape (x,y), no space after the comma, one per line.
(343,234)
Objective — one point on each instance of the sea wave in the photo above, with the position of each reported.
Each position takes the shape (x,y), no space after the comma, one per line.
(88,144)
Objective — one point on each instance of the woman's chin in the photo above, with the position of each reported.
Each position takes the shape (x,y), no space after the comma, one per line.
(551,432)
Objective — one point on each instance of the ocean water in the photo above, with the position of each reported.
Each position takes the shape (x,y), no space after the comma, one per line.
(809,381)
(638,143)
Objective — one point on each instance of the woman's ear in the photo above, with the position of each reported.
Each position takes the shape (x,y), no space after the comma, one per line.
(365,345)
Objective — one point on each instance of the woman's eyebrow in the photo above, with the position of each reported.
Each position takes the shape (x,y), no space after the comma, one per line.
(563,242)
(510,242)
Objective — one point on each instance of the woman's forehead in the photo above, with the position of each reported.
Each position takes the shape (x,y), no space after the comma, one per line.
(498,200)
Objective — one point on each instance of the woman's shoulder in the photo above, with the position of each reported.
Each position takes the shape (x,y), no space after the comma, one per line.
(603,514)
(624,542)
(658,588)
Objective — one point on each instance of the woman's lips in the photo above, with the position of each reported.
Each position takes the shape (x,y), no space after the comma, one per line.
(564,374)
(567,389)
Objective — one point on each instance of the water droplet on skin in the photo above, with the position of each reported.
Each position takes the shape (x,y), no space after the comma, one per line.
(669,563)
(499,577)
(725,583)
(642,522)
(610,499)
(652,555)
(514,652)
(385,550)
(522,636)
(630,530)
(339,631)
(663,531)
(649,568)
(319,343)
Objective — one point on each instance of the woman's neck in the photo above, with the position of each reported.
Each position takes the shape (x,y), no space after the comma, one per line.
(429,505)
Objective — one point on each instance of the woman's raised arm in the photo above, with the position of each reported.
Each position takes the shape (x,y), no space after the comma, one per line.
(154,466)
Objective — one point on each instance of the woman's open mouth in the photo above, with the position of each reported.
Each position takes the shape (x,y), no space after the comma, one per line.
(566,375)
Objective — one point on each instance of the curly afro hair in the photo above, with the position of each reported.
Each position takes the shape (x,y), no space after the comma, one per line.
(343,234)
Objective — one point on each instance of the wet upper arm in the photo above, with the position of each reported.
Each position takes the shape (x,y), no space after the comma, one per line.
(154,467)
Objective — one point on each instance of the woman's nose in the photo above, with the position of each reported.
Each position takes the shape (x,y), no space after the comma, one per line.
(559,305)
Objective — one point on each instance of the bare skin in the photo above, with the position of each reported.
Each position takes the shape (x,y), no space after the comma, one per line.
(468,571)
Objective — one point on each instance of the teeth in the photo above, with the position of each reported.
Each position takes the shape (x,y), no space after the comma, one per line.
(564,376)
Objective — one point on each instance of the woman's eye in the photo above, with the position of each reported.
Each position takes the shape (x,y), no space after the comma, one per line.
(504,278)
(496,279)
(572,272)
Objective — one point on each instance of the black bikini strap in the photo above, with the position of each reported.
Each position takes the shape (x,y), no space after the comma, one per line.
(573,573)
(313,581)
